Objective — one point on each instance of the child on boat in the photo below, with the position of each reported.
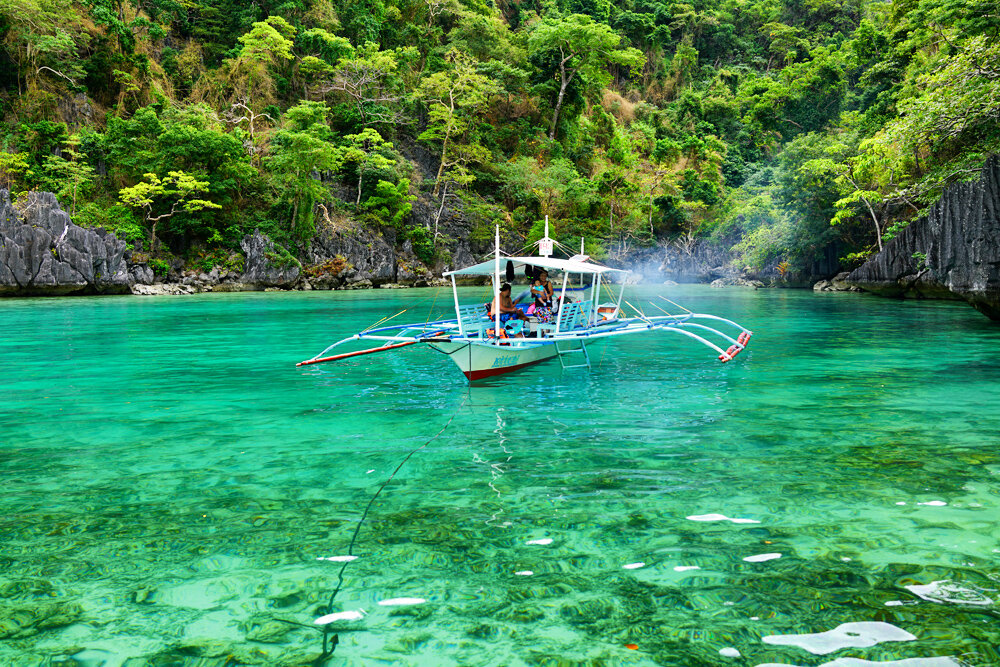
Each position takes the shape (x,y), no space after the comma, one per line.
(541,290)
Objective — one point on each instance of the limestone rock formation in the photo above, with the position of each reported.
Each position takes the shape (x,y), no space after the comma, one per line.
(369,255)
(265,265)
(43,252)
(836,284)
(953,252)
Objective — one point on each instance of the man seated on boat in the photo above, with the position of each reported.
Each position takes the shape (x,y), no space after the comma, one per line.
(508,310)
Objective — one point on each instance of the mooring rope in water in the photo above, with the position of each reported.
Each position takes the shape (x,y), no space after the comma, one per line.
(328,645)
(676,304)
(385,319)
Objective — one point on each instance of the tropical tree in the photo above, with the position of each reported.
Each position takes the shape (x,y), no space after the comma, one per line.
(301,151)
(365,150)
(368,78)
(453,97)
(585,48)
(70,176)
(160,199)
(12,167)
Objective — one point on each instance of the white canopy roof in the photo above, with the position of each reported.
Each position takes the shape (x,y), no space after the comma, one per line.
(488,267)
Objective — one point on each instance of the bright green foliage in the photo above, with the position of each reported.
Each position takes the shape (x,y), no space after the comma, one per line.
(777,127)
(269,41)
(365,151)
(117,218)
(70,175)
(160,199)
(301,151)
(580,47)
(367,78)
(13,167)
(453,97)
(391,203)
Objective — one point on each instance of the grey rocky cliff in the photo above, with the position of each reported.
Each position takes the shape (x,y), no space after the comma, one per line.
(713,261)
(264,266)
(43,252)
(366,255)
(953,252)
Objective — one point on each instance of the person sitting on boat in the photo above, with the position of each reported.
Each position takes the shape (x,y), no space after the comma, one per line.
(508,310)
(541,290)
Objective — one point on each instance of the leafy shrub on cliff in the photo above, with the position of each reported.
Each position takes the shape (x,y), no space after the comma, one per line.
(423,244)
(391,203)
(332,267)
(280,256)
(117,219)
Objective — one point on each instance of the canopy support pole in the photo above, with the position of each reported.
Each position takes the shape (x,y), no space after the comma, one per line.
(496,289)
(458,313)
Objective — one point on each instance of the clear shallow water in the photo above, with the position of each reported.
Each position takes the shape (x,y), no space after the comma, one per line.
(169,479)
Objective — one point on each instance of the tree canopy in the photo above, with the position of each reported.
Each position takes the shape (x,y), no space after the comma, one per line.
(778,128)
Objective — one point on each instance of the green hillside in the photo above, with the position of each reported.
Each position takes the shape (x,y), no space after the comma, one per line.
(780,128)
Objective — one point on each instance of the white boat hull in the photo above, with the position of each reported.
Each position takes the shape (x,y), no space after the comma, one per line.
(480,360)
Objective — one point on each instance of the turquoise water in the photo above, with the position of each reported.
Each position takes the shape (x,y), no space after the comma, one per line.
(170,478)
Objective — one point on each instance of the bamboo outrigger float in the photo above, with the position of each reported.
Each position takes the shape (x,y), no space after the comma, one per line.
(483,346)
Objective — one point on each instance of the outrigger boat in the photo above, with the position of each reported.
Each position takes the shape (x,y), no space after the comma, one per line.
(483,346)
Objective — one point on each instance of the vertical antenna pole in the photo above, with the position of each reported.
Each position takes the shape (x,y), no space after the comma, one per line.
(496,289)
(545,244)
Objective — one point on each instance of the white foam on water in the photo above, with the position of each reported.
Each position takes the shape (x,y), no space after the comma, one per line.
(685,568)
(949,591)
(633,566)
(341,616)
(338,559)
(942,661)
(934,503)
(760,558)
(901,503)
(524,573)
(846,635)
(729,652)
(543,541)
(718,517)
(400,602)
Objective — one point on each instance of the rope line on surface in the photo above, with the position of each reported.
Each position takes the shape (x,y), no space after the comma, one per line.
(328,645)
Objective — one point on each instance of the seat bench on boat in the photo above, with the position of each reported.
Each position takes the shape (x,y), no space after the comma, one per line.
(574,315)
(473,320)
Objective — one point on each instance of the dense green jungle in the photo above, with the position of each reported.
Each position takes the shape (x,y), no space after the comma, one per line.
(779,129)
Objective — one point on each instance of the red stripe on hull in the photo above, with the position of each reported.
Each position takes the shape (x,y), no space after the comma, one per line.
(490,372)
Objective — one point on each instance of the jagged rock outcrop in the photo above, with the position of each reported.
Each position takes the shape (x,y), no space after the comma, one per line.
(953,252)
(362,253)
(42,252)
(710,260)
(836,284)
(701,262)
(266,265)
(449,220)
